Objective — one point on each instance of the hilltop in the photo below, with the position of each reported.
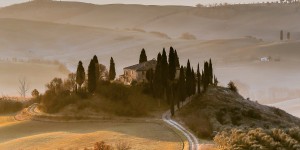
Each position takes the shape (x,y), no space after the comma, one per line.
(220,109)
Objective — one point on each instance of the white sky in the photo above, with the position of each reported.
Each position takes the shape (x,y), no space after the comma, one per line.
(148,2)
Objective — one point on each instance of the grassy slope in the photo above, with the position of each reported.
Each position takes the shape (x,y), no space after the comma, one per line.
(50,135)
(220,109)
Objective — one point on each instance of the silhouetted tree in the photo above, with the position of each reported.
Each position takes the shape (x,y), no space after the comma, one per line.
(205,76)
(281,35)
(194,82)
(97,67)
(232,87)
(188,78)
(171,99)
(112,70)
(177,60)
(150,78)
(157,83)
(92,77)
(172,64)
(181,85)
(80,74)
(288,35)
(216,82)
(35,93)
(210,72)
(198,80)
(164,71)
(143,56)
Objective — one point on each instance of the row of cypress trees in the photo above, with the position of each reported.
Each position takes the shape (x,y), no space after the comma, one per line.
(165,85)
(93,75)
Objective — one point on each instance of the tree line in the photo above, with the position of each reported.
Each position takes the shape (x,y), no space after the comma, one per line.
(173,82)
(95,72)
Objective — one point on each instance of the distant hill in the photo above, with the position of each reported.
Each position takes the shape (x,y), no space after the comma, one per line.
(221,109)
(258,20)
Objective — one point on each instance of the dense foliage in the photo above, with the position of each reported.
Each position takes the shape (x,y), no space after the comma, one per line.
(259,139)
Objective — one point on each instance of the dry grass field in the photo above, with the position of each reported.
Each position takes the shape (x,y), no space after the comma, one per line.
(30,135)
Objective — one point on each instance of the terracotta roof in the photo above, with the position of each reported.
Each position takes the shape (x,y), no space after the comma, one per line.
(143,66)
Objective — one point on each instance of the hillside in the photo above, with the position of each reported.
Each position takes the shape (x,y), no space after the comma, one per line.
(235,37)
(220,109)
(228,21)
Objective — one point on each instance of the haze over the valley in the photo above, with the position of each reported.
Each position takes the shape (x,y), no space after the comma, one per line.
(235,37)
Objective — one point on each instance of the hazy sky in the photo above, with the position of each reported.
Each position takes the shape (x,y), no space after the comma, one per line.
(150,2)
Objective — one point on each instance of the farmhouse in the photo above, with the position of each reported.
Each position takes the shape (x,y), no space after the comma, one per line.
(137,72)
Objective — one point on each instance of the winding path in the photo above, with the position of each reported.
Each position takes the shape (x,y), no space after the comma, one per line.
(192,139)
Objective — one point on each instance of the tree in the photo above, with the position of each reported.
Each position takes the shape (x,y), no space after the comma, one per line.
(112,70)
(97,67)
(35,93)
(70,83)
(103,72)
(193,84)
(216,82)
(164,71)
(143,56)
(181,86)
(55,85)
(150,78)
(205,76)
(188,79)
(177,60)
(281,35)
(232,87)
(172,64)
(171,99)
(23,87)
(288,35)
(157,83)
(80,74)
(92,84)
(198,80)
(210,72)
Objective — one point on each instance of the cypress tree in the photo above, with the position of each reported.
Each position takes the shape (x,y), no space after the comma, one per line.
(281,35)
(80,74)
(188,78)
(164,71)
(157,83)
(198,80)
(172,64)
(112,70)
(288,35)
(171,99)
(143,56)
(182,85)
(206,76)
(177,60)
(193,84)
(157,77)
(97,67)
(210,73)
(91,77)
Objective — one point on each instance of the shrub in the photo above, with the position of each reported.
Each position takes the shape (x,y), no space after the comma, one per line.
(123,146)
(255,114)
(232,87)
(10,106)
(102,146)
(256,139)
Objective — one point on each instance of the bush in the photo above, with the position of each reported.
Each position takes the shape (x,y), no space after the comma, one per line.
(102,146)
(256,139)
(113,91)
(232,87)
(10,106)
(255,114)
(123,146)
